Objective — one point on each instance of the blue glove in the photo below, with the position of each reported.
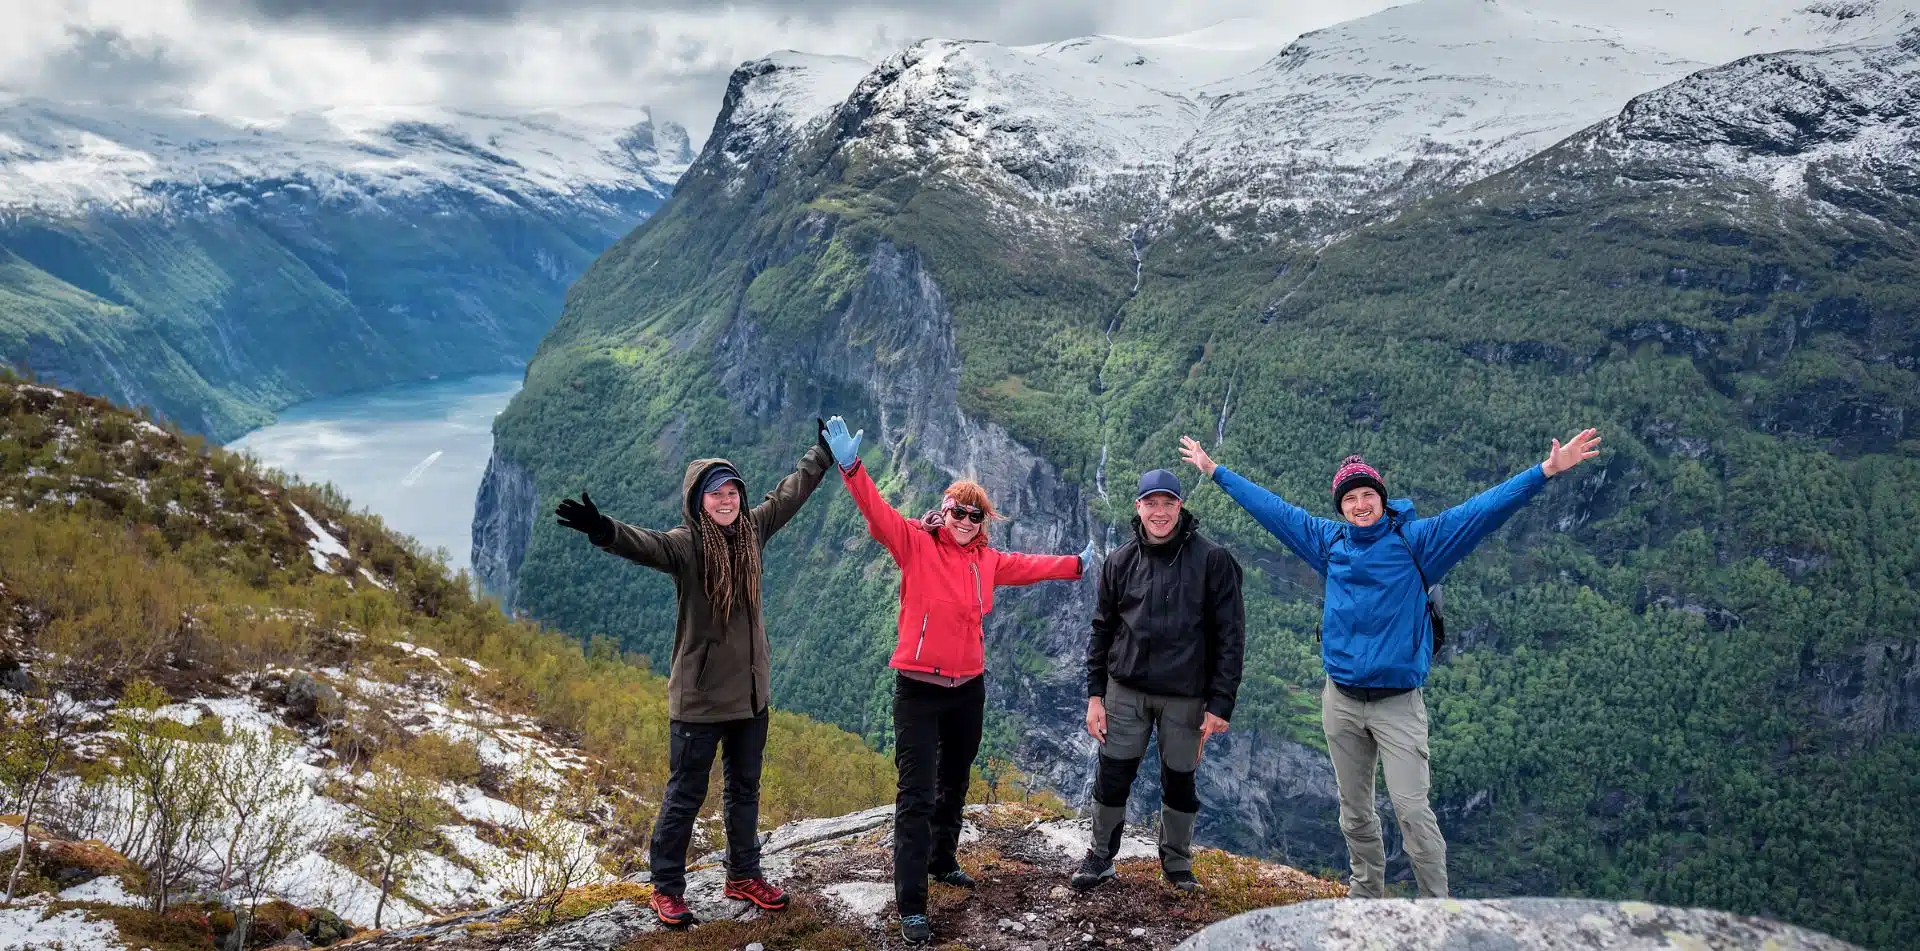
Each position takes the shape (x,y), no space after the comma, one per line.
(845,448)
(1086,559)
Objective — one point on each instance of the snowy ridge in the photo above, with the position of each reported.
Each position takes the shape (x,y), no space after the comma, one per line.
(1790,121)
(62,158)
(1239,130)
(1356,119)
(1050,126)
(778,99)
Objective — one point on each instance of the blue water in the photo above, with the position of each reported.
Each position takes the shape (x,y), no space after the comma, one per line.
(412,453)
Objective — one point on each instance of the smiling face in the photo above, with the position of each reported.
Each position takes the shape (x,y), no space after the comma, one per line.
(962,529)
(1362,506)
(722,504)
(1159,515)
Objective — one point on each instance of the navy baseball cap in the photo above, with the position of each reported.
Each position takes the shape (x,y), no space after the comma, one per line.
(1159,480)
(719,476)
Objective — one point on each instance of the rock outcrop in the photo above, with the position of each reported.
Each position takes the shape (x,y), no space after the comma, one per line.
(1511,924)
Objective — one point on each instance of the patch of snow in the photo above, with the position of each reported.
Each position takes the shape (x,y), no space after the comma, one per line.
(374,580)
(315,881)
(322,546)
(10,837)
(31,929)
(148,427)
(1071,837)
(864,900)
(107,890)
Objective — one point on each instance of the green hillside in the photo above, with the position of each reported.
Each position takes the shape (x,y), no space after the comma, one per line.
(216,319)
(130,553)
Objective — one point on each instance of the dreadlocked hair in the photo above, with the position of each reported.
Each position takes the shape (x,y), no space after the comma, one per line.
(725,558)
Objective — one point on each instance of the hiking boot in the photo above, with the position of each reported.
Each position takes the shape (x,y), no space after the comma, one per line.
(1093,870)
(1182,880)
(671,910)
(916,929)
(957,877)
(756,890)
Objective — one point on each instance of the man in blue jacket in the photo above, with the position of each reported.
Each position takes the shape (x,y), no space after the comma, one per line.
(1376,638)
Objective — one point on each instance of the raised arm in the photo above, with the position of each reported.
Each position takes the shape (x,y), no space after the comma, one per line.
(1441,541)
(784,502)
(662,551)
(1227,631)
(1017,569)
(1304,534)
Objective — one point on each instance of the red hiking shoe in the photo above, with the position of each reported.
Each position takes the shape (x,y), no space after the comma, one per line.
(671,910)
(756,890)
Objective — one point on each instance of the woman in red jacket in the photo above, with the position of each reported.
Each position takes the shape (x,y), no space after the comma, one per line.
(948,573)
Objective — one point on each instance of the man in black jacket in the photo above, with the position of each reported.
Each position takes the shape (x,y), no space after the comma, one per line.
(1169,634)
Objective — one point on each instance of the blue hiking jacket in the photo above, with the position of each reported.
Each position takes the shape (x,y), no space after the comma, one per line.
(1374,630)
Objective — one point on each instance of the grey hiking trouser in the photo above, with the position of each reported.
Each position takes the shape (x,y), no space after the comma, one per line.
(1131,717)
(1359,736)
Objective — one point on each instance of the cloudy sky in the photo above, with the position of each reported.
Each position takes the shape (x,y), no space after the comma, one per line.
(266,57)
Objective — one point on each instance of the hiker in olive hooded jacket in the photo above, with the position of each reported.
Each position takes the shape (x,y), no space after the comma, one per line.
(718,687)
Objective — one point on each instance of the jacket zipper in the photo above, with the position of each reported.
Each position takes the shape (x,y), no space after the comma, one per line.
(978,601)
(923,636)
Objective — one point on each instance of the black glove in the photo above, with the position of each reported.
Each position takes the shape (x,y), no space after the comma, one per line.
(582,516)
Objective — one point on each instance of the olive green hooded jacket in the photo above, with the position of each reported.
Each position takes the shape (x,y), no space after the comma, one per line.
(720,671)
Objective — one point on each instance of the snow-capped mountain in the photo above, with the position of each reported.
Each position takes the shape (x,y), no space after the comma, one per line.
(779,98)
(1821,125)
(218,269)
(66,158)
(1354,119)
(1236,128)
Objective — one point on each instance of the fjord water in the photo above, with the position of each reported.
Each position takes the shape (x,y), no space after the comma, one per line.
(412,453)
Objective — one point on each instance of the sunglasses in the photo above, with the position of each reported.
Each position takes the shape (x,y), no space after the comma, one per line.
(969,512)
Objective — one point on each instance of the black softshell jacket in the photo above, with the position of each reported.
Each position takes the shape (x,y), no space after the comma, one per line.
(1169,620)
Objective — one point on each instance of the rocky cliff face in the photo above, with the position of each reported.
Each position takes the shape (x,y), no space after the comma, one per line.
(504,512)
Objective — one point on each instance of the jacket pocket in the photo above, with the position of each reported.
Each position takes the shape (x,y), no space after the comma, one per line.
(702,664)
(950,639)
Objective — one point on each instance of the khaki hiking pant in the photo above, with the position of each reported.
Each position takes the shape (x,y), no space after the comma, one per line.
(1359,736)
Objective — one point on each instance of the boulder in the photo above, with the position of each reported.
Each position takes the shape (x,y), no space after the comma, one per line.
(308,697)
(1508,924)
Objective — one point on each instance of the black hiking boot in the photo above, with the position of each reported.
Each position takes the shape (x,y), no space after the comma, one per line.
(1092,872)
(1182,880)
(916,929)
(957,877)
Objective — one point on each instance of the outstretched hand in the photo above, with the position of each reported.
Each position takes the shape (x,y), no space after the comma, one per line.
(1564,456)
(845,448)
(582,516)
(1190,451)
(1086,559)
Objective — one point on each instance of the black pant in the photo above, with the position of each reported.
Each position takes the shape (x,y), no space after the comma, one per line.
(936,733)
(690,751)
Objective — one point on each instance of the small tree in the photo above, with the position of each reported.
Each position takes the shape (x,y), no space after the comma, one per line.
(250,777)
(30,747)
(550,852)
(173,782)
(264,846)
(402,813)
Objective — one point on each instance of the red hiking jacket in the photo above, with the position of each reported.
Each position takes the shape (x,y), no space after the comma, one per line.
(946,591)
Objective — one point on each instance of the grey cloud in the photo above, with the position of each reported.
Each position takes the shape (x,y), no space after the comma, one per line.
(377,14)
(103,65)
